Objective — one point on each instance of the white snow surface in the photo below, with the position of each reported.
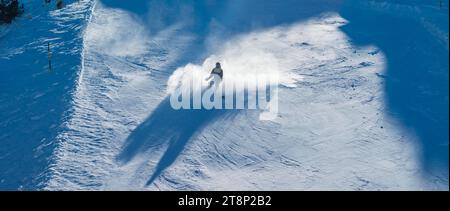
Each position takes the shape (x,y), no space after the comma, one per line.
(331,133)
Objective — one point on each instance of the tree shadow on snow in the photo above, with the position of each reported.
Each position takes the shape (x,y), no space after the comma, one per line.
(167,126)
(416,81)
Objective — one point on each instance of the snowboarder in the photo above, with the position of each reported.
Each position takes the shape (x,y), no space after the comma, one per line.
(216,72)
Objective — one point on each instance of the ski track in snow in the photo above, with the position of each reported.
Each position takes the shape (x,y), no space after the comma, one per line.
(331,132)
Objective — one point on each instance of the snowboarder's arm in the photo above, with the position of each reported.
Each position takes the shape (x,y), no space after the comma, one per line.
(209,77)
(212,71)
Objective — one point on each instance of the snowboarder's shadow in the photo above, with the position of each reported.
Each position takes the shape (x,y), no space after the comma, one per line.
(167,126)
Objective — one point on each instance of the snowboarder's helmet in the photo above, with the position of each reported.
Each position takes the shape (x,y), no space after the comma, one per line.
(218,64)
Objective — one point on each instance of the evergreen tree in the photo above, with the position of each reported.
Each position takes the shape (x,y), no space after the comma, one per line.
(59,4)
(9,9)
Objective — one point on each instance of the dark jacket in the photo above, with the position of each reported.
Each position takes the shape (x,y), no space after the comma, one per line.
(217,71)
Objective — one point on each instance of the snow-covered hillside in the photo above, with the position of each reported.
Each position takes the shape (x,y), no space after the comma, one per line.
(339,126)
(34,100)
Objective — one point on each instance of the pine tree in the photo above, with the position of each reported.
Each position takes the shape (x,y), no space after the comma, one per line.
(59,4)
(9,9)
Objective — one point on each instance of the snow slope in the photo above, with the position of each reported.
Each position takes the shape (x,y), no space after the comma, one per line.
(331,132)
(34,100)
(335,129)
(416,85)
